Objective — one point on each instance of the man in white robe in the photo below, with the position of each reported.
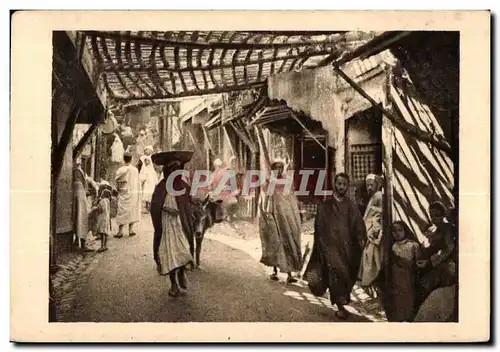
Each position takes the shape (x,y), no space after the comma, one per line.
(129,190)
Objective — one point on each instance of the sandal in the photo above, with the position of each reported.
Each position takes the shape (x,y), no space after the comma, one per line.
(274,277)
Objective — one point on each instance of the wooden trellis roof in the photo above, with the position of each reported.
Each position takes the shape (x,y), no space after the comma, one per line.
(162,65)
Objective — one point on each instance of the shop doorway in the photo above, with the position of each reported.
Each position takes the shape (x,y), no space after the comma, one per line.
(363,146)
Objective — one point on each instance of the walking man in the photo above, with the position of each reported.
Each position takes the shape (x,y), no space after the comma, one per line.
(338,244)
(127,181)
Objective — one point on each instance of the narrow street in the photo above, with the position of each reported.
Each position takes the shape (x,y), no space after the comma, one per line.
(121,285)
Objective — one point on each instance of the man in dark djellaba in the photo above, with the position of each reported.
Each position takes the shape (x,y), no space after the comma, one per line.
(339,234)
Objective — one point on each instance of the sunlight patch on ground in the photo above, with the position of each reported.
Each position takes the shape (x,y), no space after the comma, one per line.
(325,302)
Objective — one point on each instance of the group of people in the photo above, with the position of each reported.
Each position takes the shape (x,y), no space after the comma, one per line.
(350,247)
(93,201)
(93,204)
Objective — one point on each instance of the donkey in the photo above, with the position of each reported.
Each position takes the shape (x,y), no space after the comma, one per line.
(205,216)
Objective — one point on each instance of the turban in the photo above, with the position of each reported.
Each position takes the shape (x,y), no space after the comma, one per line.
(370,177)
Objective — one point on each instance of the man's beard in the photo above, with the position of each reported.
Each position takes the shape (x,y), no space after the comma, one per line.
(340,193)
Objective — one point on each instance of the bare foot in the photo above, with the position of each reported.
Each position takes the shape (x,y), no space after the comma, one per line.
(174,293)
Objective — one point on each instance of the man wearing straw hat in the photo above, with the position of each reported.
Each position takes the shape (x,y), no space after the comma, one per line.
(172,220)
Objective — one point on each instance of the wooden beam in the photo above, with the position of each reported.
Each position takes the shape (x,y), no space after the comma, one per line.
(153,74)
(290,33)
(198,45)
(273,62)
(262,143)
(118,50)
(259,70)
(234,60)
(165,64)
(198,65)
(224,128)
(106,85)
(95,49)
(194,92)
(374,46)
(307,130)
(284,61)
(223,55)
(177,65)
(303,55)
(138,55)
(206,137)
(292,65)
(403,125)
(160,82)
(210,63)
(189,59)
(242,136)
(261,101)
(83,141)
(128,56)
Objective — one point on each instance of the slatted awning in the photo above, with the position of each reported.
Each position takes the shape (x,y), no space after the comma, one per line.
(165,65)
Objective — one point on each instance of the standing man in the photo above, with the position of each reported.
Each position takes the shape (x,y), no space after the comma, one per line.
(373,254)
(167,213)
(365,192)
(338,244)
(127,181)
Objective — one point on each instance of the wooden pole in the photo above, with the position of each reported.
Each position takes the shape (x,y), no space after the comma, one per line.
(255,166)
(229,141)
(242,136)
(203,45)
(83,141)
(208,146)
(262,143)
(404,126)
(307,130)
(168,132)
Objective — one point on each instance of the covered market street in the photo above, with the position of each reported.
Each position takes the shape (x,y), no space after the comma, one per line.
(364,105)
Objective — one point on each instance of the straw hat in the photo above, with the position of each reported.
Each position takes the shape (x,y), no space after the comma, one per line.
(164,158)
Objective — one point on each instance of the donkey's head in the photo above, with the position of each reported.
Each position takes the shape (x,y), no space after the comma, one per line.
(204,215)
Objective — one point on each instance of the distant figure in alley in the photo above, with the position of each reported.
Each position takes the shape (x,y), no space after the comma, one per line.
(129,211)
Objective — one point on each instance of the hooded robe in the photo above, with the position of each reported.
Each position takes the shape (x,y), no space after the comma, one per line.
(339,233)
(185,213)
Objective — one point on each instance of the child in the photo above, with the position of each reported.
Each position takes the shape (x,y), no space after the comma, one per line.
(404,253)
(103,214)
(438,257)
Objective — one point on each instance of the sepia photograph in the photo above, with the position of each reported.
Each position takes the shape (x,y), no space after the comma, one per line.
(255,176)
